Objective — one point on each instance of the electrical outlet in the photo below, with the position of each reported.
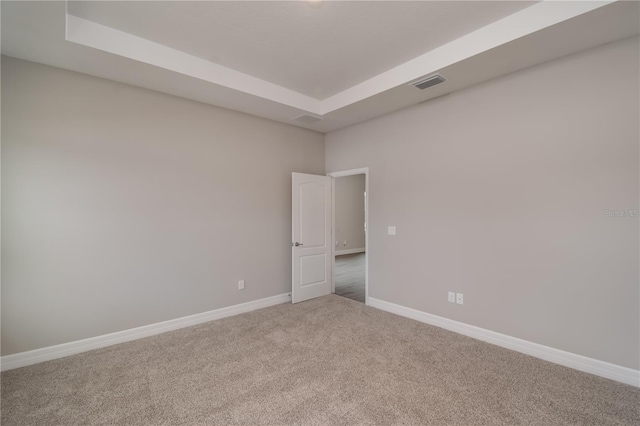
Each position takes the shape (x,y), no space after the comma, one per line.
(345,243)
(391,230)
(452,297)
(241,285)
(459,298)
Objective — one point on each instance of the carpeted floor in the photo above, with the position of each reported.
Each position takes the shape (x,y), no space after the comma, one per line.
(326,361)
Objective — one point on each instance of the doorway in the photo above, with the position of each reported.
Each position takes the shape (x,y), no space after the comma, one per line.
(350,239)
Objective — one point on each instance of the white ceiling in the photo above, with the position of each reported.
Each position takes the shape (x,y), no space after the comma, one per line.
(318,49)
(342,61)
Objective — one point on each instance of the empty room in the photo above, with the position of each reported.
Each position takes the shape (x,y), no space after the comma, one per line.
(320,213)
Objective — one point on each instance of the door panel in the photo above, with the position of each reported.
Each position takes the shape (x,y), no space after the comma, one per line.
(313,220)
(312,270)
(311,247)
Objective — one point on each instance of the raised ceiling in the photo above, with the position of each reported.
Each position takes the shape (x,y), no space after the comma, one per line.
(318,49)
(342,61)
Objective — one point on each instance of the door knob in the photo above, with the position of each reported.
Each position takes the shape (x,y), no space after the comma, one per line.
(297,244)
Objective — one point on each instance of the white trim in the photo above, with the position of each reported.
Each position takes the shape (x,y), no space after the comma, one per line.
(333,235)
(361,171)
(349,251)
(97,36)
(589,365)
(523,23)
(9,362)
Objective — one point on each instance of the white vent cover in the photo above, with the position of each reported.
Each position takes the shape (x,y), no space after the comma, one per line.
(306,118)
(432,80)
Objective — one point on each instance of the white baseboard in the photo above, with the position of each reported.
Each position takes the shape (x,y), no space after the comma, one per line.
(9,362)
(567,359)
(348,251)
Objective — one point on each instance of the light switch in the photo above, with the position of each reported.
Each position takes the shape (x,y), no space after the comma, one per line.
(392,230)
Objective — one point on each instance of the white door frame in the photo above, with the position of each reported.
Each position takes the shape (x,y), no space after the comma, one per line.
(333,176)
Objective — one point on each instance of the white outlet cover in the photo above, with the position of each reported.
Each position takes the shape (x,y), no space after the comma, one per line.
(391,230)
(459,298)
(241,285)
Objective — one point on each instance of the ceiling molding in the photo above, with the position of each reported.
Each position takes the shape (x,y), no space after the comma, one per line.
(45,32)
(505,30)
(97,36)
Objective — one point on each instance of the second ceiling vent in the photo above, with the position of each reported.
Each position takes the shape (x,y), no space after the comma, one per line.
(432,80)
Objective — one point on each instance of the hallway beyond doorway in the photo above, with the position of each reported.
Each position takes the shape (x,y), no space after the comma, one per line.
(349,275)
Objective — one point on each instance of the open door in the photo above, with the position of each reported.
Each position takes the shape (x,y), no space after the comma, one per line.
(311,234)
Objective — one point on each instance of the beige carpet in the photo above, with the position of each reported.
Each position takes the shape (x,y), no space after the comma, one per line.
(327,361)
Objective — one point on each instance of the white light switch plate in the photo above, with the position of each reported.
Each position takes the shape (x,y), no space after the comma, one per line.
(459,298)
(452,297)
(392,230)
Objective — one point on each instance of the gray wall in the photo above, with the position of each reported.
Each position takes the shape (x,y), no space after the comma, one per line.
(500,191)
(124,207)
(349,210)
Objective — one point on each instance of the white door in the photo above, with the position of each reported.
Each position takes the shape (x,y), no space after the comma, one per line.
(311,243)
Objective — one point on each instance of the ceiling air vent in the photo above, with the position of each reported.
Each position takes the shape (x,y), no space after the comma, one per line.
(432,80)
(308,119)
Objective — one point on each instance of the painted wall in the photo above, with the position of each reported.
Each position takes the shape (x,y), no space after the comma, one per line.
(349,211)
(505,192)
(124,207)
